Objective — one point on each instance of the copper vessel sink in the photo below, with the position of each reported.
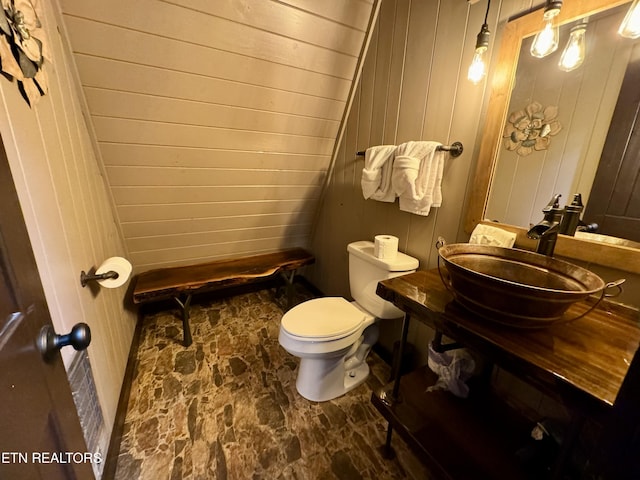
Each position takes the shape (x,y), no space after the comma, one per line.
(516,287)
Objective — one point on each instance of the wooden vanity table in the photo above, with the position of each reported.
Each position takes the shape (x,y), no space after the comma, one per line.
(589,365)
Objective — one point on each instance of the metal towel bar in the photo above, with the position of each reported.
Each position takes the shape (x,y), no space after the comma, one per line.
(455,149)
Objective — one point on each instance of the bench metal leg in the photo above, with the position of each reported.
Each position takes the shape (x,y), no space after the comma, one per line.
(186,330)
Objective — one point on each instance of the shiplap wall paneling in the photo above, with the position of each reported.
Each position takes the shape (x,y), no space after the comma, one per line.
(223,113)
(239,246)
(111,322)
(68,214)
(216,39)
(413,87)
(187,225)
(107,103)
(336,9)
(124,77)
(165,156)
(175,212)
(294,22)
(186,195)
(452,107)
(126,131)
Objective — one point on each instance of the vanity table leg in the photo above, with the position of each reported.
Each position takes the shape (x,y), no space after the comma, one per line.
(571,437)
(387,449)
(392,398)
(398,361)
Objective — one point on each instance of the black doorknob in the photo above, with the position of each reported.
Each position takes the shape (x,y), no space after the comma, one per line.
(49,342)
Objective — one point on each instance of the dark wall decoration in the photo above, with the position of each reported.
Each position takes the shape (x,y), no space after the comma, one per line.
(531,128)
(23,47)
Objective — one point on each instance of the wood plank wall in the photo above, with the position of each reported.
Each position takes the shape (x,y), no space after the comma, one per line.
(215,121)
(68,213)
(413,87)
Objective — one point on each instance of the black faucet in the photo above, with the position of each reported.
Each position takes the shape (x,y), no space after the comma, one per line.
(546,232)
(571,216)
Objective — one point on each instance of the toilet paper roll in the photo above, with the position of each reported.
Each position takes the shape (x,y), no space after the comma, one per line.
(114,264)
(385,246)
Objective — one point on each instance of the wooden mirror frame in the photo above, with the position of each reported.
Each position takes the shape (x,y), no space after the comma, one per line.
(610,255)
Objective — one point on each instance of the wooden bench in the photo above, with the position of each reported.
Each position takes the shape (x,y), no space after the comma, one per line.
(181,283)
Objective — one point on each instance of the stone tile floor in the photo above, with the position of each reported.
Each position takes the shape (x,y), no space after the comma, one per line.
(227,406)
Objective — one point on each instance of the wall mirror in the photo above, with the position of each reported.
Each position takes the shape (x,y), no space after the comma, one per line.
(516,178)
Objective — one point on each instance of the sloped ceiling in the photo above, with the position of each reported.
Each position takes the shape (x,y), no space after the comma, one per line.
(215,120)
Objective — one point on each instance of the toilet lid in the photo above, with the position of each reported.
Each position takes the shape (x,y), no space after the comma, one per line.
(323,317)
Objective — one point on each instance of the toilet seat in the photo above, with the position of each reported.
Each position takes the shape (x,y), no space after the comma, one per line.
(323,319)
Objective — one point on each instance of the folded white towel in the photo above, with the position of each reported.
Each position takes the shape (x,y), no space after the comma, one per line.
(417,176)
(489,235)
(376,174)
(438,169)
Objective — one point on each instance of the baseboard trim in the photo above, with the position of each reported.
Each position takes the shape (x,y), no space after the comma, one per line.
(111,460)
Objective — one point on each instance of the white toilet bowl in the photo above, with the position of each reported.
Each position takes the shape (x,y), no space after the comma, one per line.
(332,337)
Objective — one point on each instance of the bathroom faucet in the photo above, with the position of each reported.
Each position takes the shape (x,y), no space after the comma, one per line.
(546,232)
(571,216)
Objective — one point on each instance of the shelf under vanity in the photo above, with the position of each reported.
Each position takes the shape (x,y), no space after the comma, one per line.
(589,365)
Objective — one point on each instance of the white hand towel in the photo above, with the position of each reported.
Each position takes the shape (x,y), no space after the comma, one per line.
(417,175)
(376,174)
(438,169)
(489,235)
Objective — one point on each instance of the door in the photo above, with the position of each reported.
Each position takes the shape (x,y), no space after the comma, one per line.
(614,202)
(40,433)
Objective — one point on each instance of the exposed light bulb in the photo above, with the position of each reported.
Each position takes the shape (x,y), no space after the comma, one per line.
(574,53)
(630,26)
(478,67)
(546,40)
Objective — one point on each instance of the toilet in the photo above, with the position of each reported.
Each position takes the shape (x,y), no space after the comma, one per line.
(332,336)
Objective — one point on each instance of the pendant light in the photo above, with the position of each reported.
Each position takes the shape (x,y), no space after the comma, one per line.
(478,68)
(546,40)
(630,26)
(574,53)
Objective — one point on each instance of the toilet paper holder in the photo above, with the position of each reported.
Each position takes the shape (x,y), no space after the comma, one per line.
(112,273)
(94,277)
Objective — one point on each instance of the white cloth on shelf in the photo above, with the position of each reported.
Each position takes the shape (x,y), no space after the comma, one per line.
(376,174)
(417,176)
(490,235)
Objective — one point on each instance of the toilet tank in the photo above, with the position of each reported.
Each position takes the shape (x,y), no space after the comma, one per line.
(365,271)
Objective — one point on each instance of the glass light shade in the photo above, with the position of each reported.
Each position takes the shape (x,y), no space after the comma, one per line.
(478,67)
(574,53)
(630,26)
(546,40)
